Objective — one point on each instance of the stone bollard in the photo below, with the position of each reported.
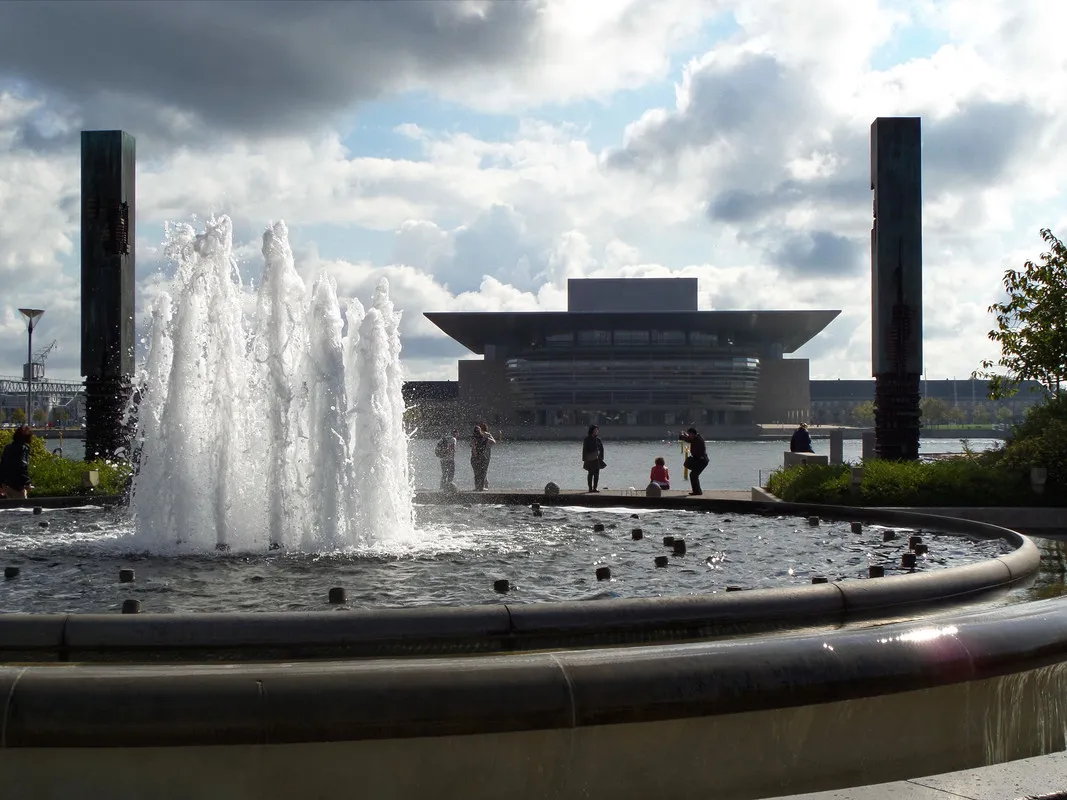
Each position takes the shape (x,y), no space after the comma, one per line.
(855,482)
(922,549)
(637,534)
(635,516)
(42,524)
(668,541)
(131,606)
(598,527)
(813,521)
(537,512)
(126,576)
(837,446)
(535,507)
(662,561)
(11,572)
(338,595)
(38,510)
(888,536)
(914,541)
(222,547)
(551,489)
(603,573)
(679,547)
(653,490)
(907,561)
(503,586)
(820,579)
(875,571)
(857,527)
(869,446)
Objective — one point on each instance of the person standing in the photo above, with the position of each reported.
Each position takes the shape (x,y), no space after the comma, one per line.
(697,461)
(593,457)
(801,441)
(15,464)
(481,451)
(446,454)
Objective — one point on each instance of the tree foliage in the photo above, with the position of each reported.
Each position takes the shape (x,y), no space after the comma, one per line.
(1032,324)
(935,410)
(863,413)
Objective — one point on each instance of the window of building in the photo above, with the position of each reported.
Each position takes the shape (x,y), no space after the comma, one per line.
(703,339)
(594,338)
(631,338)
(668,338)
(559,340)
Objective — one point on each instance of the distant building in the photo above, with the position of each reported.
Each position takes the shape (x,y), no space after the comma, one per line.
(834,402)
(635,354)
(59,401)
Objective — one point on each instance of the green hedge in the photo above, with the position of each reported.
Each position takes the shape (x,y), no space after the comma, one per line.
(997,477)
(55,476)
(964,481)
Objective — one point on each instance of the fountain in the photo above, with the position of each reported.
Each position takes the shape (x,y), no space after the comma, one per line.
(285,431)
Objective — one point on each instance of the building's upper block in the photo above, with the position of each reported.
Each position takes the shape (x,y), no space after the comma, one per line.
(632,294)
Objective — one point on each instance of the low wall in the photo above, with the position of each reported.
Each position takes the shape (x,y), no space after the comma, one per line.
(742,719)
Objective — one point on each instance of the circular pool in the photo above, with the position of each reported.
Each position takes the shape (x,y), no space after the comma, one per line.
(69,559)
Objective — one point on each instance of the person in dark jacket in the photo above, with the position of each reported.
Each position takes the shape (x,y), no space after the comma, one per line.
(801,441)
(15,464)
(697,461)
(445,450)
(482,442)
(593,457)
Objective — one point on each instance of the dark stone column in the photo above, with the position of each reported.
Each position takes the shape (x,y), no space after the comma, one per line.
(896,285)
(108,235)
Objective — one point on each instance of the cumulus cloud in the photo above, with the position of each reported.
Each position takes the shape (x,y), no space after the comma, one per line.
(181,71)
(754,178)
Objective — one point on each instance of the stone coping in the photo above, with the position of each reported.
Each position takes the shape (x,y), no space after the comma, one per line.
(169,705)
(509,627)
(64,501)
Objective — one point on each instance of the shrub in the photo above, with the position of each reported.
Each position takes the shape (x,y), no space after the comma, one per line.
(54,475)
(998,477)
(1040,440)
(963,481)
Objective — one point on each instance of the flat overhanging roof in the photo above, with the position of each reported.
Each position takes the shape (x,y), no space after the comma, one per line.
(475,330)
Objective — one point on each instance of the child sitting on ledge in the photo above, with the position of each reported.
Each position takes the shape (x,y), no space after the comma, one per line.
(659,474)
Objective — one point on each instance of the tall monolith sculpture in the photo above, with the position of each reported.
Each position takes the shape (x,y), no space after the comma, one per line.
(107,277)
(896,285)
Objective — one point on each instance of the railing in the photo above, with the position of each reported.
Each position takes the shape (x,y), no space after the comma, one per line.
(13,385)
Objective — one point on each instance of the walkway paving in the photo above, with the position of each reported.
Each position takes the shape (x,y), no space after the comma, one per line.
(1042,777)
(709,494)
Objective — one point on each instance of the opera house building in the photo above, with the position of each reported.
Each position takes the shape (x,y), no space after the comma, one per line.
(634,354)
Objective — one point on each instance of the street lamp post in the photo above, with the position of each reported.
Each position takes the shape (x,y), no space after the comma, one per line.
(32,317)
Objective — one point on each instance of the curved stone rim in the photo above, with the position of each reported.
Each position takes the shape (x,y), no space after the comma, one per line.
(511,627)
(179,705)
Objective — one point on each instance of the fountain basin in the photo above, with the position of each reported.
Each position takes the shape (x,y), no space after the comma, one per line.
(547,699)
(511,626)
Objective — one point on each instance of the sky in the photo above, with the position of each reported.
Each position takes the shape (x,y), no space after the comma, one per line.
(478,154)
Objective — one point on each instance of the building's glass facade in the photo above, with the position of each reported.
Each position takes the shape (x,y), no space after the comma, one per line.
(633,377)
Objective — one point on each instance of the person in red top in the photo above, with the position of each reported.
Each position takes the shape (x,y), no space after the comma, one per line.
(659,475)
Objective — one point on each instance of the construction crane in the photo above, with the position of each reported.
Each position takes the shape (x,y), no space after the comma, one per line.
(41,355)
(37,364)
